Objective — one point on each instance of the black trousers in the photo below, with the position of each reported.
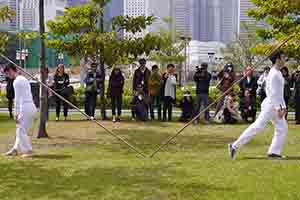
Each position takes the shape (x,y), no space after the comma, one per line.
(167,107)
(10,107)
(59,102)
(228,119)
(90,103)
(155,103)
(297,108)
(116,105)
(248,114)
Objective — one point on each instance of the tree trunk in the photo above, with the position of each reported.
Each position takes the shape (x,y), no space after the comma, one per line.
(82,70)
(102,95)
(42,133)
(102,69)
(180,75)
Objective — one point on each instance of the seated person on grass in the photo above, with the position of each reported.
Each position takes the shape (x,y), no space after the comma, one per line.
(140,106)
(187,107)
(231,110)
(248,107)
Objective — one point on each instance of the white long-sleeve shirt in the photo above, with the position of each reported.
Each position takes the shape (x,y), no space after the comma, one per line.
(170,87)
(23,93)
(275,89)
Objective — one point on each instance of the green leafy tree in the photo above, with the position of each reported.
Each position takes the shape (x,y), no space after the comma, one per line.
(171,48)
(82,31)
(240,51)
(283,18)
(5,14)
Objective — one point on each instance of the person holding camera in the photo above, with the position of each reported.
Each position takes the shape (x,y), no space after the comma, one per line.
(202,79)
(91,91)
(61,85)
(169,91)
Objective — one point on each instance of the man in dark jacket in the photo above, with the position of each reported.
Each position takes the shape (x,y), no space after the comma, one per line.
(91,91)
(296,85)
(141,77)
(248,83)
(202,79)
(10,95)
(248,106)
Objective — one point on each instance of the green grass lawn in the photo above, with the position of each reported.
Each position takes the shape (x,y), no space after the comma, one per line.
(80,161)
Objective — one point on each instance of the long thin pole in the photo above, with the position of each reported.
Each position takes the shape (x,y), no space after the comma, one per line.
(217,100)
(76,108)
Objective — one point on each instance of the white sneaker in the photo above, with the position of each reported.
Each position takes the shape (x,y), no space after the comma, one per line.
(114,119)
(12,152)
(57,119)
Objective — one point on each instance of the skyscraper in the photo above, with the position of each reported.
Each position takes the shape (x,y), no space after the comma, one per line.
(13,23)
(230,20)
(71,3)
(113,8)
(181,14)
(214,20)
(244,6)
(29,12)
(162,11)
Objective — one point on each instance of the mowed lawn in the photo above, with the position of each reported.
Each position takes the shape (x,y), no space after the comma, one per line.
(80,161)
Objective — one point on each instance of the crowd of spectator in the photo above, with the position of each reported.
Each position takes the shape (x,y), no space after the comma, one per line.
(154,93)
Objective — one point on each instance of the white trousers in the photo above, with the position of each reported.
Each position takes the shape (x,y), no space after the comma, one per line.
(268,113)
(23,142)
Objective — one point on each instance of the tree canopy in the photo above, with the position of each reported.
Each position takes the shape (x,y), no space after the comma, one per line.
(5,14)
(77,32)
(240,51)
(283,20)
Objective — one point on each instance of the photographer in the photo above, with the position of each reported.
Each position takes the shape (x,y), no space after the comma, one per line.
(169,91)
(202,79)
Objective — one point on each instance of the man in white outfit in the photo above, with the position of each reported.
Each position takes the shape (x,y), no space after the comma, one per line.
(273,109)
(24,112)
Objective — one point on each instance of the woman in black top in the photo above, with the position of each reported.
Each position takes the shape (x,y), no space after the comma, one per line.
(10,95)
(115,91)
(287,85)
(61,84)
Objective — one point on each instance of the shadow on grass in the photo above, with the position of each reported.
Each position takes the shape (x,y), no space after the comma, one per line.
(35,181)
(51,157)
(291,158)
